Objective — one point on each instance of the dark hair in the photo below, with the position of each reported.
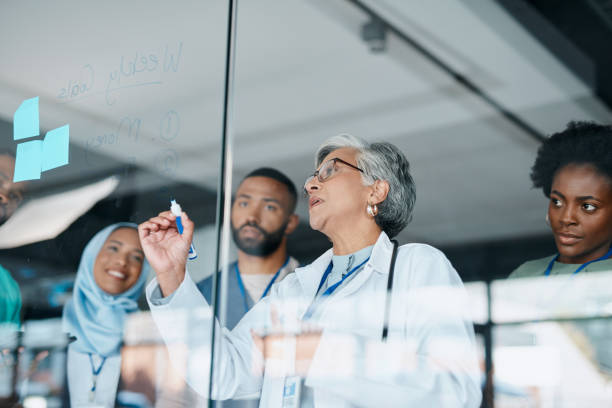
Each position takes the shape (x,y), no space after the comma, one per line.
(281,178)
(7,151)
(580,143)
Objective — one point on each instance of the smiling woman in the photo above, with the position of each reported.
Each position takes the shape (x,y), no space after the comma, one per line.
(109,281)
(574,169)
(119,262)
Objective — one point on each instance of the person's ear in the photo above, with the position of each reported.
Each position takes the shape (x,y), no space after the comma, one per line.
(294,221)
(379,192)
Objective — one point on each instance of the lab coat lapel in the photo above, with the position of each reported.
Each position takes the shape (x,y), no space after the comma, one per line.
(355,284)
(381,254)
(310,276)
(378,263)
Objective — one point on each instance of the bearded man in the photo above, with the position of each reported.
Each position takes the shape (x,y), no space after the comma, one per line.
(262,218)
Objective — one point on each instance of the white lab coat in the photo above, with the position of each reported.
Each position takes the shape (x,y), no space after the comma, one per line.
(428,360)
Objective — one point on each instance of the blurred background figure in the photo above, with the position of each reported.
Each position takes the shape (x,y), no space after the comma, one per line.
(109,281)
(10,299)
(11,194)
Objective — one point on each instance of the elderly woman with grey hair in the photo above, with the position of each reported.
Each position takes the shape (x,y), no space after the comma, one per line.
(365,324)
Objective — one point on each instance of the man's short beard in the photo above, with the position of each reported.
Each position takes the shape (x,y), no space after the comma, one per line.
(263,247)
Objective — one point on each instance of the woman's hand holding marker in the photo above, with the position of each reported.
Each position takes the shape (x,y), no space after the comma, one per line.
(175,208)
(166,248)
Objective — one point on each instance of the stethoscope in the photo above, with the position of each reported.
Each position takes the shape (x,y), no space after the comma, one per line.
(581,267)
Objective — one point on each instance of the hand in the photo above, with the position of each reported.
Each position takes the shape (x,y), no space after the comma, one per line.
(165,249)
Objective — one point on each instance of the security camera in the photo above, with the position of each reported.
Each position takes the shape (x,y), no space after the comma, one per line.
(374,33)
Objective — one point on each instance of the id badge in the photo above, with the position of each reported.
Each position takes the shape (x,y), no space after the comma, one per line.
(292,392)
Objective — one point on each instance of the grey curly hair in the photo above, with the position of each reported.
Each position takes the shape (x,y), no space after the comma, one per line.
(380,161)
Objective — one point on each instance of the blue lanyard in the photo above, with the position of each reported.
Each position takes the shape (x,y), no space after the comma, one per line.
(241,285)
(330,289)
(95,372)
(581,267)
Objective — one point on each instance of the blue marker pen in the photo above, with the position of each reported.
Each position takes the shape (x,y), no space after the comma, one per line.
(175,208)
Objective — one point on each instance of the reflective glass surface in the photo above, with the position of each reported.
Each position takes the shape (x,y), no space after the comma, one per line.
(108,111)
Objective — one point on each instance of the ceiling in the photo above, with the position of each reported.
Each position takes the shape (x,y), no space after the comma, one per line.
(150,81)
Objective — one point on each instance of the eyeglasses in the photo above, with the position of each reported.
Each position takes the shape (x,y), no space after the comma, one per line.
(327,170)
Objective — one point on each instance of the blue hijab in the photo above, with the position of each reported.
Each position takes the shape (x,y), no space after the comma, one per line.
(93,316)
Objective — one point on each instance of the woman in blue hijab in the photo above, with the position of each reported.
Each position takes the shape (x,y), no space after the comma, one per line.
(109,281)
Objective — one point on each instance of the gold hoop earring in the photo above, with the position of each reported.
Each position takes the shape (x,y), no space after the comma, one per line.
(372,210)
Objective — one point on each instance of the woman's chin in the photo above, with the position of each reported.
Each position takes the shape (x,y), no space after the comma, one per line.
(315,224)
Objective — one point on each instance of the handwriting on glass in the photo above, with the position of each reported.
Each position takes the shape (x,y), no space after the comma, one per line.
(128,130)
(134,70)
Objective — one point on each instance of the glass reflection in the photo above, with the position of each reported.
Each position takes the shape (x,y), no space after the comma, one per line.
(144,128)
(467,90)
(330,333)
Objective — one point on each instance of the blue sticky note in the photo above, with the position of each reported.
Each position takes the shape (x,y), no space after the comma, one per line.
(28,161)
(55,148)
(25,120)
